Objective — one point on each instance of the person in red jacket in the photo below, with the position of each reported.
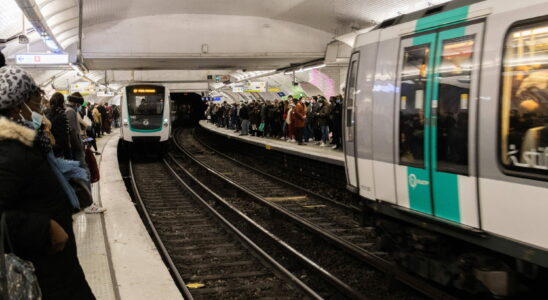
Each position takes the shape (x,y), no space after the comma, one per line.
(299,113)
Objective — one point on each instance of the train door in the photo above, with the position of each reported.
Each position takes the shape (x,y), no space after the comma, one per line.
(438,81)
(350,156)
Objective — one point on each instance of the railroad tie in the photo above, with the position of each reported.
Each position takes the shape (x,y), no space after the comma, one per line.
(290,198)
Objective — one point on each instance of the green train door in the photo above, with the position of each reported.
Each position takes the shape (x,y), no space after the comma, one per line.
(438,83)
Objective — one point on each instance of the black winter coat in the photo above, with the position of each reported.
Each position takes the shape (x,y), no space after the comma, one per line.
(244,113)
(30,196)
(61,132)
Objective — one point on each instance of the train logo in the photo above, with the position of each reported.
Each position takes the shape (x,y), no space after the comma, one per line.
(413,181)
(146,122)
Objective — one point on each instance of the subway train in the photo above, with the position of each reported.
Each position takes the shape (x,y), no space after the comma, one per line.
(446,132)
(146,114)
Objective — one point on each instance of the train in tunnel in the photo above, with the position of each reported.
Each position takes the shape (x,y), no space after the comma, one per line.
(146,114)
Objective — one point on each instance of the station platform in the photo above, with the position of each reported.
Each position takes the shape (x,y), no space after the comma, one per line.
(115,250)
(311,151)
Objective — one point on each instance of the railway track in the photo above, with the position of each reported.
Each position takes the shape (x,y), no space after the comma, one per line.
(207,255)
(329,222)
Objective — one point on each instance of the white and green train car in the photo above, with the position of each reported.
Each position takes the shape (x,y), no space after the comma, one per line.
(146,114)
(446,128)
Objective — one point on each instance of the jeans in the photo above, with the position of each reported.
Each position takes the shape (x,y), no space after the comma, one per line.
(245,126)
(325,133)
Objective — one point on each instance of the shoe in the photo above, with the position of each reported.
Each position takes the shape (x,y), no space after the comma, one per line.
(323,145)
(94,209)
(310,139)
(282,138)
(97,153)
(334,147)
(302,144)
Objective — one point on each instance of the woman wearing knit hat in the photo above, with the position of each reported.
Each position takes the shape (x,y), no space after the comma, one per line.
(37,209)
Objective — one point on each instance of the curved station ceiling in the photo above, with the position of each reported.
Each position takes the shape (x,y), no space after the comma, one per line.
(119,41)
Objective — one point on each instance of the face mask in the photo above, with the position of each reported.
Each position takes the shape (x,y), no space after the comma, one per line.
(36,118)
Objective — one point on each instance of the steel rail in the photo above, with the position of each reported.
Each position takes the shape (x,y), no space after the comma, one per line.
(368,257)
(167,258)
(333,280)
(280,180)
(242,237)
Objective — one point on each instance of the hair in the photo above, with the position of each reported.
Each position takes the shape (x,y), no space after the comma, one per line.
(2,60)
(76,97)
(57,100)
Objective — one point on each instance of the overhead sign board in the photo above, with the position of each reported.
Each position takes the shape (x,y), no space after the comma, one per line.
(238,89)
(105,94)
(274,90)
(83,87)
(212,98)
(281,94)
(41,59)
(255,87)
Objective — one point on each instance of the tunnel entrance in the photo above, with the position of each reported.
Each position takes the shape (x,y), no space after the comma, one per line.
(187,109)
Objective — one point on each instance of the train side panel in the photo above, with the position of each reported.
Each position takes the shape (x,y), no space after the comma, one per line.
(513,203)
(364,122)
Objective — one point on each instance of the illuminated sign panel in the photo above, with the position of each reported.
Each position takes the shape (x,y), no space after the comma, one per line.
(255,87)
(144,91)
(41,59)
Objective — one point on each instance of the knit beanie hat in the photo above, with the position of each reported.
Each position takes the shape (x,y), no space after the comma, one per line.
(16,86)
(76,98)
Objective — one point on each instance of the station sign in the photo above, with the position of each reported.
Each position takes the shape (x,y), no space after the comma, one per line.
(238,89)
(281,94)
(212,98)
(105,94)
(218,78)
(274,90)
(255,87)
(83,87)
(41,59)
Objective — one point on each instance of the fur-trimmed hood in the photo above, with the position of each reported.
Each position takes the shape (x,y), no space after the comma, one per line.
(10,130)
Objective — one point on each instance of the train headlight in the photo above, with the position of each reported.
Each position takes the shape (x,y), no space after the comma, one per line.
(166,122)
(125,122)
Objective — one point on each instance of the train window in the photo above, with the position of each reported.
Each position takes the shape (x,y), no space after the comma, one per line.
(453,80)
(524,103)
(412,93)
(351,95)
(152,104)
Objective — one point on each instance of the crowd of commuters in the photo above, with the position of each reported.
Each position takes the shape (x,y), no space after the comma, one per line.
(42,153)
(303,120)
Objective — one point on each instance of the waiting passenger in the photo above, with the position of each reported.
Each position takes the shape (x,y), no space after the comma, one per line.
(60,126)
(39,219)
(75,100)
(323,119)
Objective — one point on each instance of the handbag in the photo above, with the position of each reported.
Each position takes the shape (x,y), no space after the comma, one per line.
(92,165)
(18,278)
(85,198)
(261,127)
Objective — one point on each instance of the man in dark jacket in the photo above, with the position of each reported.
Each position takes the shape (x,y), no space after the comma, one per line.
(336,116)
(244,116)
(39,219)
(75,100)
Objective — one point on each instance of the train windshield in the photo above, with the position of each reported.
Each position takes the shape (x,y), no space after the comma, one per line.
(145,101)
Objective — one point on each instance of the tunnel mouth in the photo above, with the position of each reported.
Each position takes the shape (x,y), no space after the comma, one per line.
(187,109)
